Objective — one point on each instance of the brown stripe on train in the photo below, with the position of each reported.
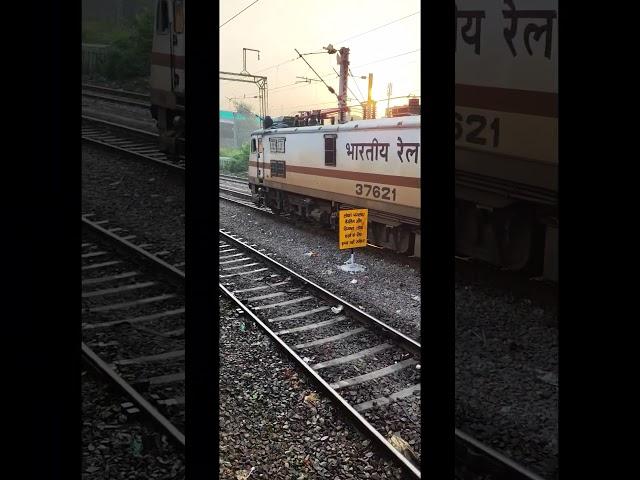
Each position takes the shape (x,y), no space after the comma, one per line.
(396,180)
(527,102)
(164,60)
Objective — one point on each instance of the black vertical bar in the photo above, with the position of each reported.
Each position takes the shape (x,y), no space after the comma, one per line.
(201,20)
(437,173)
(41,242)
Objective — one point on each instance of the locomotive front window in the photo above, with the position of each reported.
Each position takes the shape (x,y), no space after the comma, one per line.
(162,25)
(330,150)
(178,16)
(253,145)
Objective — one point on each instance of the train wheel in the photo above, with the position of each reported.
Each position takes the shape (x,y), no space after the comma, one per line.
(513,229)
(403,241)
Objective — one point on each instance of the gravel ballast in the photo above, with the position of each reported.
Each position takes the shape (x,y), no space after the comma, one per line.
(506,351)
(117,447)
(266,424)
(144,199)
(389,289)
(506,376)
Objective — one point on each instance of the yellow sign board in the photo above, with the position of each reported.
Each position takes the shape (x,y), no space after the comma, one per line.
(353,228)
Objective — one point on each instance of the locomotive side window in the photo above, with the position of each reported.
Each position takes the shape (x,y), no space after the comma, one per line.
(178,16)
(278,169)
(253,145)
(276,144)
(163,17)
(330,150)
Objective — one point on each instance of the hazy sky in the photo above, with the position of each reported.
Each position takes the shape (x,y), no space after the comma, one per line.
(276,27)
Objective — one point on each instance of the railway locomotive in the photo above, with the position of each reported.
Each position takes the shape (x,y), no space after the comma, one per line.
(167,73)
(314,171)
(506,130)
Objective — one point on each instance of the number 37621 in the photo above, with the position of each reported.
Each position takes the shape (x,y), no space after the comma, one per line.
(478,130)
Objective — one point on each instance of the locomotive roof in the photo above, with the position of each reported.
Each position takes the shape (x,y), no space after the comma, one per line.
(394,122)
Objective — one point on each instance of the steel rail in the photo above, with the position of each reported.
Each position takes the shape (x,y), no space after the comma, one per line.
(172,167)
(408,343)
(119,126)
(96,362)
(359,421)
(174,275)
(121,100)
(235,192)
(231,178)
(116,91)
(489,460)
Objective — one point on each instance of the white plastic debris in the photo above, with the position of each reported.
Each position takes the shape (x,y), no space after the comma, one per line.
(415,297)
(337,309)
(418,367)
(354,281)
(306,359)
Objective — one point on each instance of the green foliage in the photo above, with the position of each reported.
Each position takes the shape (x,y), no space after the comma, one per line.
(130,52)
(240,156)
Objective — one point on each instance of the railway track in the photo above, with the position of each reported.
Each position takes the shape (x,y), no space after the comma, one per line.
(135,143)
(369,369)
(115,95)
(133,324)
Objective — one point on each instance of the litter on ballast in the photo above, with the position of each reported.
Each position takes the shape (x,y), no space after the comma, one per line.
(312,398)
(337,309)
(354,281)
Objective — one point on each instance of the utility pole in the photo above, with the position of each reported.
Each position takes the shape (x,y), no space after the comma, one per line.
(343,61)
(388,97)
(244,59)
(371,105)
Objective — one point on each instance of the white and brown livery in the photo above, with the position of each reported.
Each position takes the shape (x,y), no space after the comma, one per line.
(315,171)
(167,71)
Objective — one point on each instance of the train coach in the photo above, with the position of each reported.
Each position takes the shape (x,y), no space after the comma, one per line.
(167,73)
(314,171)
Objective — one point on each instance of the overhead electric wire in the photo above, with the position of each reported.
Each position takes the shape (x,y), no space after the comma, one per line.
(387,58)
(357,86)
(314,71)
(237,14)
(381,26)
(350,38)
(354,105)
(351,91)
(278,65)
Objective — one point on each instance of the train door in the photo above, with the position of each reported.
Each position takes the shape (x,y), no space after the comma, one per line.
(260,160)
(256,158)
